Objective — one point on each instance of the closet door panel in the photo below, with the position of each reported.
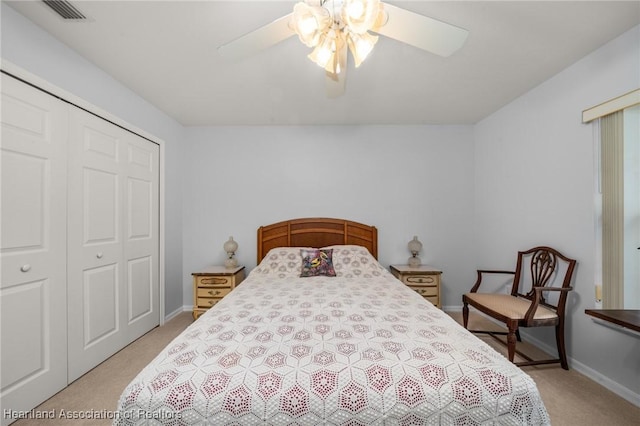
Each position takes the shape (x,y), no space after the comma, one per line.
(141,240)
(113,243)
(33,296)
(24,201)
(100,206)
(97,327)
(25,363)
(100,303)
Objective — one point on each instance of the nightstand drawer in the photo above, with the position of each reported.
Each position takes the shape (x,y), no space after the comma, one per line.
(212,292)
(433,299)
(412,280)
(213,281)
(425,291)
(423,279)
(207,302)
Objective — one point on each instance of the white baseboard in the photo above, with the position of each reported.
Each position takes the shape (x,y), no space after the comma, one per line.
(581,368)
(175,313)
(453,308)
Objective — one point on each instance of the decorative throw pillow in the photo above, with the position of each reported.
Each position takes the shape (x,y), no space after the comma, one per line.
(317,262)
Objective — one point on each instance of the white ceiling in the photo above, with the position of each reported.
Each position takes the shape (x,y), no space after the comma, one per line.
(166,52)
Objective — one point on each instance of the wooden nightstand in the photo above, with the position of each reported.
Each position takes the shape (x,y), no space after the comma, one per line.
(213,283)
(425,280)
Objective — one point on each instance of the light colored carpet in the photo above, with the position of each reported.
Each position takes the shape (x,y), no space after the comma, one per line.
(100,388)
(571,398)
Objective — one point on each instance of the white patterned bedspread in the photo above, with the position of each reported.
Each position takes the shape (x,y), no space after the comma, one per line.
(357,349)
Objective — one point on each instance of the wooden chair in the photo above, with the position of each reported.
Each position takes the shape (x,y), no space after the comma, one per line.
(533,308)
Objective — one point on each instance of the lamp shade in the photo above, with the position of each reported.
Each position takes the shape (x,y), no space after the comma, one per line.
(327,52)
(414,247)
(361,45)
(360,15)
(309,22)
(230,246)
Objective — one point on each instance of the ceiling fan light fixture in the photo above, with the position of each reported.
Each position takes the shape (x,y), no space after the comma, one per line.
(328,53)
(324,52)
(360,15)
(354,9)
(310,22)
(360,46)
(328,30)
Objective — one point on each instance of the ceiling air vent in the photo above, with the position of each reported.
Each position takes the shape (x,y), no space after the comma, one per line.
(65,9)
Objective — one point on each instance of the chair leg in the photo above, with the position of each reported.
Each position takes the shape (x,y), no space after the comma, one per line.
(511,341)
(465,314)
(562,353)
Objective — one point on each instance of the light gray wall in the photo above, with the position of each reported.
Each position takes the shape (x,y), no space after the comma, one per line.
(534,184)
(405,180)
(468,202)
(32,49)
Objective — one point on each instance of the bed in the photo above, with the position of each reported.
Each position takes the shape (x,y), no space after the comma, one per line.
(347,345)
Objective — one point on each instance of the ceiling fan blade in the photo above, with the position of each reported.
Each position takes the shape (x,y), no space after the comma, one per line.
(258,40)
(421,31)
(335,83)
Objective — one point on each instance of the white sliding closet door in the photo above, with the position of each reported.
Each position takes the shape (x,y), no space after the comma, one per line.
(113,240)
(142,236)
(33,289)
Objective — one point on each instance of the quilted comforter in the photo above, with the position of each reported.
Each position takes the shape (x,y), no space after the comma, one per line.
(357,349)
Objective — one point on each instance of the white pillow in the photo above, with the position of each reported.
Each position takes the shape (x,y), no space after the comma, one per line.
(281,262)
(352,261)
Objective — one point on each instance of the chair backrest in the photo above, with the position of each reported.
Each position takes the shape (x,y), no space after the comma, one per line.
(543,267)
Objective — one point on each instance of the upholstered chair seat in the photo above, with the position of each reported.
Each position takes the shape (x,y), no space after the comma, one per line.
(510,307)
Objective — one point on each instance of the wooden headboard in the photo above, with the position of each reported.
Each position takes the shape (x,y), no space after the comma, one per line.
(316,232)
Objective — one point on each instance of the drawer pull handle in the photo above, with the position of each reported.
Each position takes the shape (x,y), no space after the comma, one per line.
(420,280)
(212,302)
(214,293)
(419,291)
(214,280)
(25,268)
(99,255)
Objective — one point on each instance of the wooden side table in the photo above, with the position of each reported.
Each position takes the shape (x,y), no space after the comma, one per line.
(425,280)
(211,284)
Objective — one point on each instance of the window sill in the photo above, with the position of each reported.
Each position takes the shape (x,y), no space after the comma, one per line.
(626,318)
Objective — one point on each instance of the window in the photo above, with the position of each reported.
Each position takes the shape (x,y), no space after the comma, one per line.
(618,203)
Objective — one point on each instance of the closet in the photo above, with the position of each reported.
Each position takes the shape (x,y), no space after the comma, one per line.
(79,242)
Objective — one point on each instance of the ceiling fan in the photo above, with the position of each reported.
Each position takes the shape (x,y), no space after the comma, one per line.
(334,27)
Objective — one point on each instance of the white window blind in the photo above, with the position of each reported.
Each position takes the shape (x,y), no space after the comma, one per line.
(612,181)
